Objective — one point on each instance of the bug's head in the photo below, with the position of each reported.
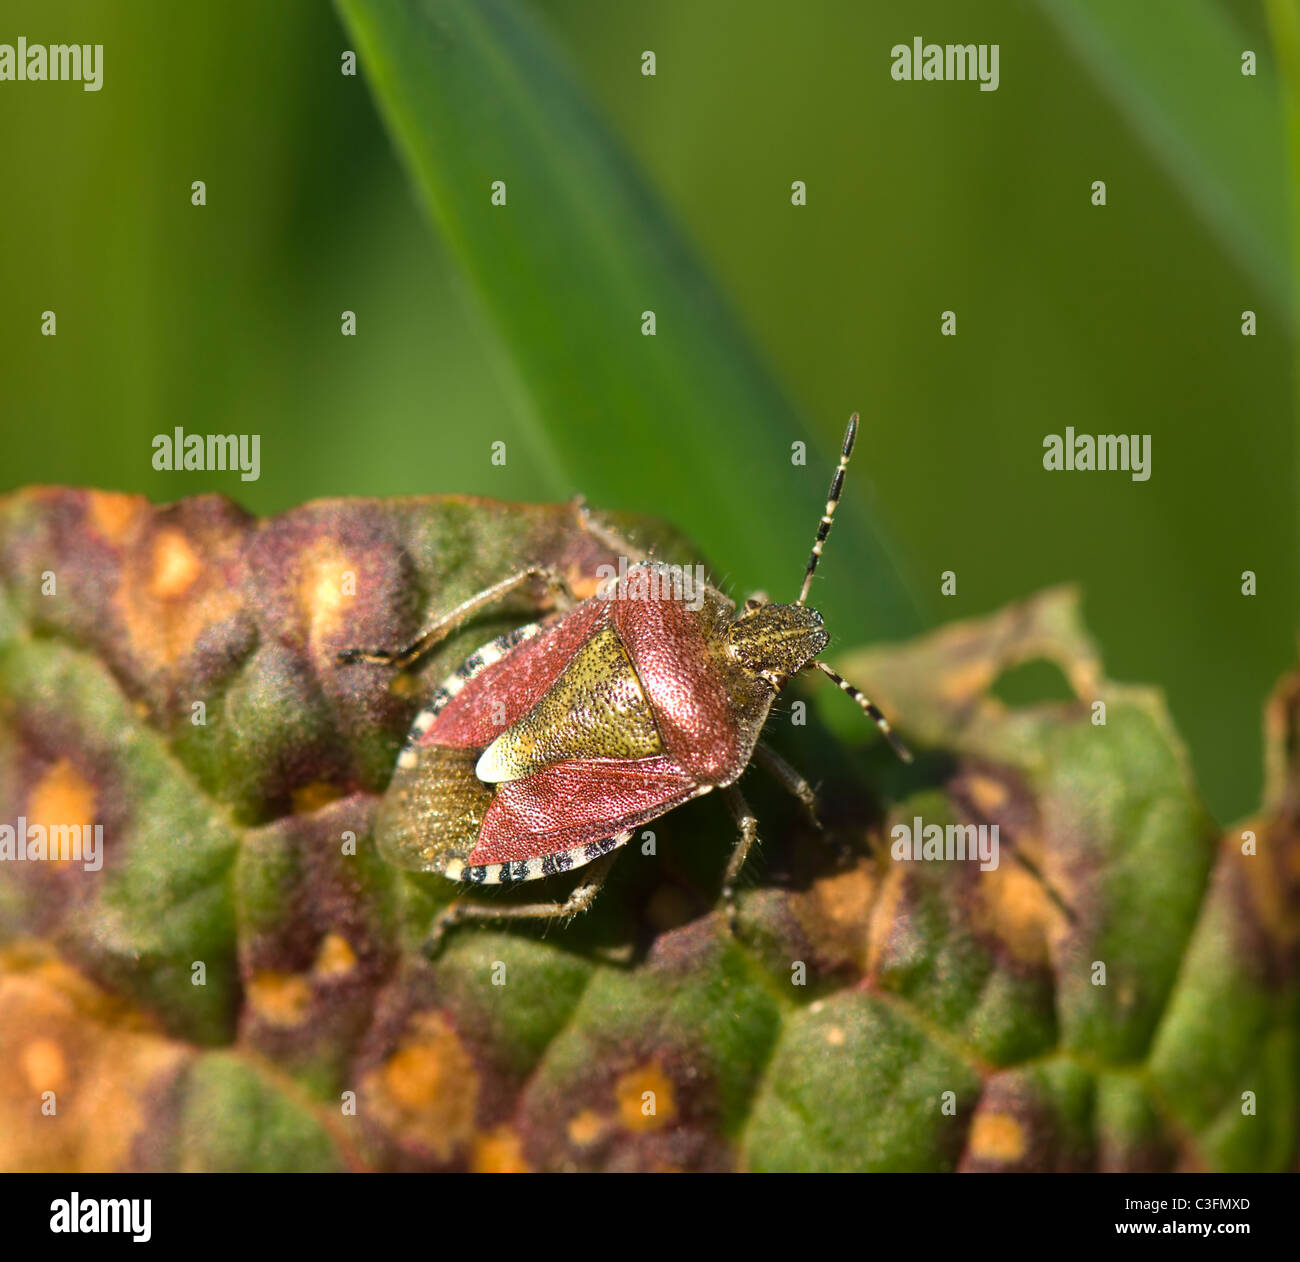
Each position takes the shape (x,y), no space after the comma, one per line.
(776,642)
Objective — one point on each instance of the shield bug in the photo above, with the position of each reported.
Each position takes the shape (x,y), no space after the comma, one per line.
(547,748)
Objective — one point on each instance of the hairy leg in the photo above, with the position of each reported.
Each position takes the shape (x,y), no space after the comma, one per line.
(584,894)
(443,626)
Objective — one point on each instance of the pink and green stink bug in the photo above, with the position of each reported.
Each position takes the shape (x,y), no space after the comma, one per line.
(547,748)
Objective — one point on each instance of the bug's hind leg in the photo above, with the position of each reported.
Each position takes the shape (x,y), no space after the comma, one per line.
(790,779)
(747,821)
(584,894)
(556,583)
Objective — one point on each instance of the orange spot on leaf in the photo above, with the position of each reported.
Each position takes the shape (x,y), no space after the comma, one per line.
(323,569)
(176,566)
(279,998)
(1012,907)
(586,1127)
(115,516)
(426,1092)
(645,1099)
(61,798)
(988,795)
(500,1151)
(336,956)
(311,797)
(997,1137)
(44,1065)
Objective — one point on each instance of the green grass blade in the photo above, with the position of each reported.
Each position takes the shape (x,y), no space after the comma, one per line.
(688,424)
(1173,67)
(1284,26)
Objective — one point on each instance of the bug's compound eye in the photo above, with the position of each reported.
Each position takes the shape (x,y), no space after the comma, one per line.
(755,603)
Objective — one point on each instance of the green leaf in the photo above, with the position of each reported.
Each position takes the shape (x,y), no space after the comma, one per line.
(689,421)
(241,984)
(233,1120)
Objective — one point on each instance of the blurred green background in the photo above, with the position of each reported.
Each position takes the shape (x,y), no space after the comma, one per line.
(921,198)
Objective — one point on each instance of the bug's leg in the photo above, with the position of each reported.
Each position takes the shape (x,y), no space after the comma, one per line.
(615,542)
(748,824)
(557,584)
(584,894)
(793,782)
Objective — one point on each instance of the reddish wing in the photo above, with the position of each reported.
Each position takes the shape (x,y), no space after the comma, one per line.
(508,688)
(573,803)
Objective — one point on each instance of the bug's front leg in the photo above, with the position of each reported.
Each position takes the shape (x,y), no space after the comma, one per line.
(556,583)
(584,894)
(747,821)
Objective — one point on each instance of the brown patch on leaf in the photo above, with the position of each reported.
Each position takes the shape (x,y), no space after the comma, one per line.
(321,597)
(835,915)
(405,685)
(425,1094)
(941,683)
(886,917)
(1282,749)
(1273,877)
(1010,906)
(62,1035)
(176,584)
(968,682)
(1021,1123)
(988,795)
(1266,884)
